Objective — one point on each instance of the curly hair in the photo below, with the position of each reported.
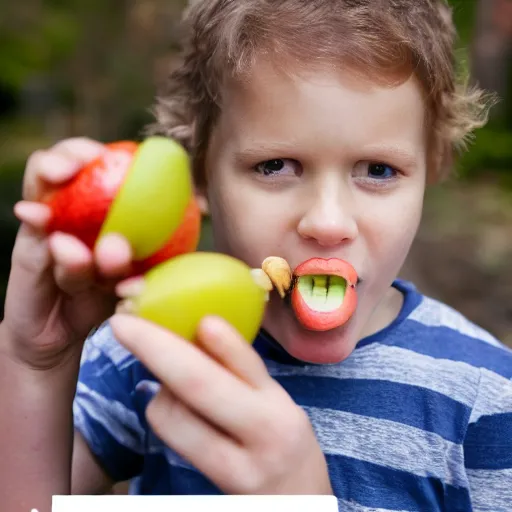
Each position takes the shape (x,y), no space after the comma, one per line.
(223,39)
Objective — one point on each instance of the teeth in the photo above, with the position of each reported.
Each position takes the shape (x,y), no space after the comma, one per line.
(320,287)
(322,292)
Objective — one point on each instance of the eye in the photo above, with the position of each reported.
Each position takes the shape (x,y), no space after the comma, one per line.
(278,166)
(375,173)
(381,171)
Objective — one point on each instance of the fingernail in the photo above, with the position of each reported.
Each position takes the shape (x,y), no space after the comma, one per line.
(146,390)
(116,321)
(148,387)
(111,244)
(64,245)
(71,242)
(213,324)
(125,307)
(106,242)
(129,288)
(32,213)
(123,324)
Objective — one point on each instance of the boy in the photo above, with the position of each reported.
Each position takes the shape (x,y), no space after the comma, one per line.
(314,127)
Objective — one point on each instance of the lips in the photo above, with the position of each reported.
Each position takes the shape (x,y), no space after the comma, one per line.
(324,295)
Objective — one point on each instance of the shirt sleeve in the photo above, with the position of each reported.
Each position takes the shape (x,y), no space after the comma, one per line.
(488,445)
(104,406)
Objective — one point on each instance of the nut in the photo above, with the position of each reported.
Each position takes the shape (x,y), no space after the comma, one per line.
(279,272)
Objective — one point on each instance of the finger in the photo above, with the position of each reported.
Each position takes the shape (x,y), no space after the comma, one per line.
(191,375)
(211,452)
(33,188)
(113,257)
(223,342)
(131,287)
(35,215)
(31,257)
(74,270)
(82,149)
(56,169)
(47,168)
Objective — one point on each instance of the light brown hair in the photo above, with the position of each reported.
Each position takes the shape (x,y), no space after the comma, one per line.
(223,39)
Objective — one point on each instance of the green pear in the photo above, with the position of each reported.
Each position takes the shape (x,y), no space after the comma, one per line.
(151,202)
(178,293)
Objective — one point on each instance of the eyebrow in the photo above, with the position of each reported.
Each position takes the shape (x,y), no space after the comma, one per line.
(405,155)
(263,149)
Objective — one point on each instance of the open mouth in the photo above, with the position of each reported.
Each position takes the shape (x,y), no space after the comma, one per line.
(324,296)
(322,292)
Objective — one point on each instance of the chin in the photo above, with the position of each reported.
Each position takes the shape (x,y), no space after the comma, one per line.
(317,347)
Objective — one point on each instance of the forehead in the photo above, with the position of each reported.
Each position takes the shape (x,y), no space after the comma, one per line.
(321,105)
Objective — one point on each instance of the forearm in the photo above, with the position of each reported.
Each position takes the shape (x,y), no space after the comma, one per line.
(36,432)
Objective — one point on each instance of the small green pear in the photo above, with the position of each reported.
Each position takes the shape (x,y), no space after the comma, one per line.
(178,293)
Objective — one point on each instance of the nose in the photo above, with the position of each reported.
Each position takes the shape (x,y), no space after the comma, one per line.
(330,217)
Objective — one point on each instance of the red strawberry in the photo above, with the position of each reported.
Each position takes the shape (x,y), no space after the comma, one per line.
(80,206)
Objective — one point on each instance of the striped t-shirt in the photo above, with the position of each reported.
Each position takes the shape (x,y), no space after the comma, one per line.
(418,418)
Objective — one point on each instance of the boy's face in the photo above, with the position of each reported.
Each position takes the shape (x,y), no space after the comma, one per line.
(327,166)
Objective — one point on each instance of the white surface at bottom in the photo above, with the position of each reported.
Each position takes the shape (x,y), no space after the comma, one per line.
(112,503)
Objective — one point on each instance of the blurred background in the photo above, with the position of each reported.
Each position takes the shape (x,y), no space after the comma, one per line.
(91,67)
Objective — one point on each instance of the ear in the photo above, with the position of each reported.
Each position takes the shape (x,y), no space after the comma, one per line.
(202,200)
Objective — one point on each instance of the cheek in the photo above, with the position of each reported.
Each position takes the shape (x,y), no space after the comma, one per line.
(390,231)
(246,224)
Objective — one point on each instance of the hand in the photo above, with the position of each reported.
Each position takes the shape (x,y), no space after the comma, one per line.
(53,298)
(219,408)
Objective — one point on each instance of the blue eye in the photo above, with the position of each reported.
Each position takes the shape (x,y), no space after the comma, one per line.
(375,175)
(381,171)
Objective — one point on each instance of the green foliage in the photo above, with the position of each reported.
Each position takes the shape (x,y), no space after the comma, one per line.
(491,151)
(95,59)
(34,44)
(464,17)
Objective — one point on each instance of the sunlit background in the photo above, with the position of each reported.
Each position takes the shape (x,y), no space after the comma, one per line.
(91,67)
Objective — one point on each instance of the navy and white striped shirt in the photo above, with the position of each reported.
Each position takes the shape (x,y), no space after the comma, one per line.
(418,418)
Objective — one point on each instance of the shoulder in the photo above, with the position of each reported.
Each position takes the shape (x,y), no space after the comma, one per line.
(434,313)
(436,329)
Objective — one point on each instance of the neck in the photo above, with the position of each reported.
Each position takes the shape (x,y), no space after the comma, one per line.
(385,313)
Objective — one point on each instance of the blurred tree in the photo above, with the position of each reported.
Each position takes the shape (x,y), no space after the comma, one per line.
(86,66)
(91,67)
(492,52)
